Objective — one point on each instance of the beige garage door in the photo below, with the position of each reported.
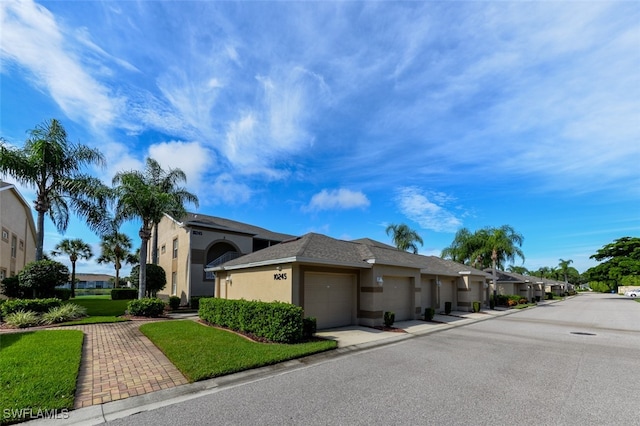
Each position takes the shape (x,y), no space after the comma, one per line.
(398,297)
(330,298)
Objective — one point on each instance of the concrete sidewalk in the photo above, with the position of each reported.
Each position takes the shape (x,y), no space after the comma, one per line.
(167,386)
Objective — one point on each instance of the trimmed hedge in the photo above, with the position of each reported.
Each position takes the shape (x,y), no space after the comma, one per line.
(275,321)
(429,313)
(447,308)
(62,293)
(174,302)
(476,306)
(389,318)
(194,303)
(309,327)
(39,306)
(147,307)
(124,294)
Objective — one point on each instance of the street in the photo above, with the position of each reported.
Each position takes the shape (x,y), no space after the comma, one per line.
(574,362)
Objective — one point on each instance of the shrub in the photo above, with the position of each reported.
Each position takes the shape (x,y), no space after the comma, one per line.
(156,279)
(36,305)
(549,296)
(511,303)
(275,321)
(124,294)
(40,278)
(492,303)
(10,287)
(389,318)
(476,306)
(62,293)
(194,303)
(148,307)
(22,319)
(429,313)
(66,312)
(522,301)
(174,302)
(447,308)
(309,327)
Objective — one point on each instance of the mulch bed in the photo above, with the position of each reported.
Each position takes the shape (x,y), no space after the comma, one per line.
(391,329)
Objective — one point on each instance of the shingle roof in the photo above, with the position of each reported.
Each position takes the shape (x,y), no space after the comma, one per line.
(227,225)
(321,249)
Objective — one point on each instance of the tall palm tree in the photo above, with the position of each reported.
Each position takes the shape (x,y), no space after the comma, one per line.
(139,196)
(75,249)
(53,166)
(464,248)
(564,270)
(115,248)
(404,237)
(168,181)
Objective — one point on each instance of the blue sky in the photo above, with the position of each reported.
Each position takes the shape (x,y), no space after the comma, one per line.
(343,117)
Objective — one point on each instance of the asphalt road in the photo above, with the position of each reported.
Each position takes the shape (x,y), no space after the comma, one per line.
(575,362)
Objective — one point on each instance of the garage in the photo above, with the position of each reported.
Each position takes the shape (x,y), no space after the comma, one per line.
(330,298)
(398,297)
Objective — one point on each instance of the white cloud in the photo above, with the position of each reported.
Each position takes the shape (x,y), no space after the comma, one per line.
(337,199)
(32,38)
(225,190)
(195,160)
(416,205)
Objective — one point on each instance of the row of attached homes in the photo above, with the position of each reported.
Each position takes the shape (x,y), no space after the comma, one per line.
(338,282)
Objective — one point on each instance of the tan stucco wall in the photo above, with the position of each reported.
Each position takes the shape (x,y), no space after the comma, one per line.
(17,219)
(267,284)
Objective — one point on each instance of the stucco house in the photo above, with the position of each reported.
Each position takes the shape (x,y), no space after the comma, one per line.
(187,246)
(349,282)
(18,238)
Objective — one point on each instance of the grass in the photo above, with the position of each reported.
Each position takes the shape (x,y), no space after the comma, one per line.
(98,306)
(95,320)
(202,352)
(38,371)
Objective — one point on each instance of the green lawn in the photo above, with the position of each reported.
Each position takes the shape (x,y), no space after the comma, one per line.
(100,307)
(38,371)
(202,352)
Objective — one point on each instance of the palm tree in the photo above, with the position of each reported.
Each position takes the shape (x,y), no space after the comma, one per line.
(564,269)
(52,165)
(404,237)
(464,248)
(139,196)
(518,269)
(168,182)
(75,249)
(115,248)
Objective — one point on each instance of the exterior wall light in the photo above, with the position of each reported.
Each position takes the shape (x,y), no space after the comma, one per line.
(380,281)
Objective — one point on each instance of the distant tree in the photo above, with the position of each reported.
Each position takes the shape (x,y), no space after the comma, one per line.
(156,279)
(115,248)
(462,248)
(11,287)
(479,248)
(404,237)
(40,278)
(564,270)
(75,249)
(618,259)
(518,270)
(52,165)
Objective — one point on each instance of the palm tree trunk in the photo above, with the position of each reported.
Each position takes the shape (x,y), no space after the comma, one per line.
(144,237)
(154,248)
(73,279)
(40,235)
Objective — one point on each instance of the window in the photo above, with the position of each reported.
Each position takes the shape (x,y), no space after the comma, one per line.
(163,249)
(5,234)
(14,245)
(3,274)
(174,283)
(175,248)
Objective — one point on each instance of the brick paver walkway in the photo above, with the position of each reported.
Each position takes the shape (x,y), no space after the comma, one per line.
(118,361)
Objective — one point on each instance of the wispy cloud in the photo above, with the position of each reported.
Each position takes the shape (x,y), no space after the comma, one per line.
(32,39)
(427,209)
(196,161)
(337,199)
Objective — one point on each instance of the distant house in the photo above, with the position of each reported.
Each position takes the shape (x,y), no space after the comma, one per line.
(18,238)
(90,281)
